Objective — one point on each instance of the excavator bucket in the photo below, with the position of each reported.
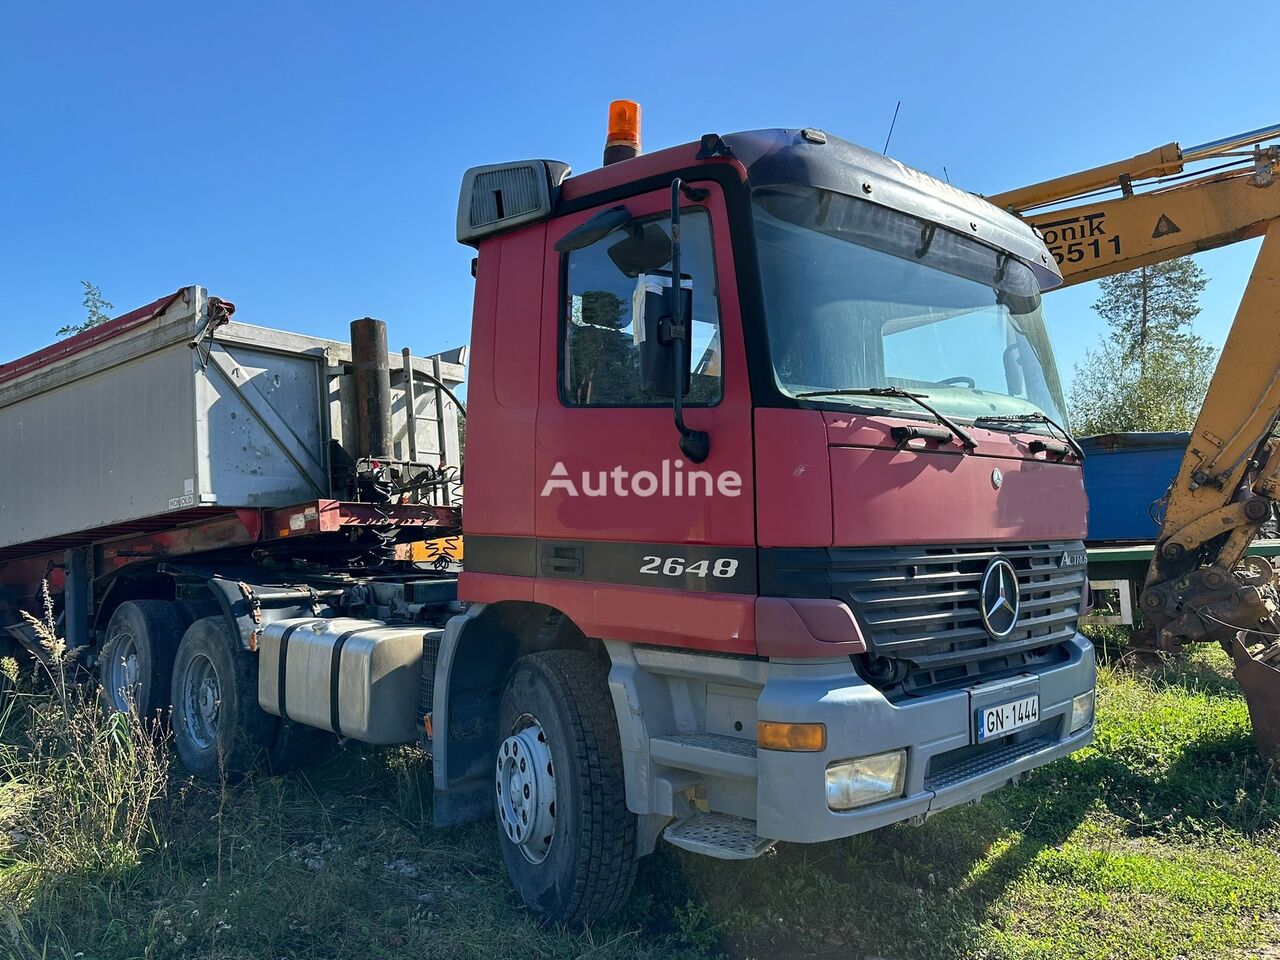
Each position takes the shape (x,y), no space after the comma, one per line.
(1259,678)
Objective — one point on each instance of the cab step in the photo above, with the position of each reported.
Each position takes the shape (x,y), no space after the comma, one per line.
(708,753)
(718,835)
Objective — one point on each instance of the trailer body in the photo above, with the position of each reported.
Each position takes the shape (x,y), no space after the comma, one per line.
(170,414)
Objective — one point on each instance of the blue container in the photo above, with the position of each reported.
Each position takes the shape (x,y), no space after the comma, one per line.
(1124,474)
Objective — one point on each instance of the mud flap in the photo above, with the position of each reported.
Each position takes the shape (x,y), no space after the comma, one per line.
(1261,685)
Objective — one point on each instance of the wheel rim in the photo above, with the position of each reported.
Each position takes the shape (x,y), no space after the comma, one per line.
(525,787)
(201,701)
(124,674)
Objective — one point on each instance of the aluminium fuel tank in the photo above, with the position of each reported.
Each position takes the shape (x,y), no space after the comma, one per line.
(354,678)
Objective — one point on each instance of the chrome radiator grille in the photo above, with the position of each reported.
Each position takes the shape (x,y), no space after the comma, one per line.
(921,604)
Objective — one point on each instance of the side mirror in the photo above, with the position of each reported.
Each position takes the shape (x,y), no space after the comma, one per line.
(652,306)
(594,230)
(643,249)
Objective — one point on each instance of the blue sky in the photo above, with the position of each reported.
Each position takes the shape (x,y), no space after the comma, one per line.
(303,159)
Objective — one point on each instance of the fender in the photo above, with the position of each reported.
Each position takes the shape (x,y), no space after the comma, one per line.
(470,671)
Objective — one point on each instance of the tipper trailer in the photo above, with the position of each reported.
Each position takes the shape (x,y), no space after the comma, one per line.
(772,533)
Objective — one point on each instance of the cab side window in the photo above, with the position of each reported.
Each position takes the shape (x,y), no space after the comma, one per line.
(601,357)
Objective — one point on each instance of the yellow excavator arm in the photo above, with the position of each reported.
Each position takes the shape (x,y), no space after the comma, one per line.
(1197,587)
(1162,211)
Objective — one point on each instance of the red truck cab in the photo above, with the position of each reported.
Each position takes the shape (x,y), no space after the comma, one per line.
(855,604)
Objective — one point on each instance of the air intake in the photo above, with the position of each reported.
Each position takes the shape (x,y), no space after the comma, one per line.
(507,195)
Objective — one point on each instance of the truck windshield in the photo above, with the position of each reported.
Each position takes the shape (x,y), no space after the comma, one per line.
(857,295)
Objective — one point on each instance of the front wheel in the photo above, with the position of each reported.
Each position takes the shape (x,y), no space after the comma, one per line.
(567,837)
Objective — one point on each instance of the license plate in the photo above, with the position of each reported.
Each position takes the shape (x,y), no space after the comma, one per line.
(998,721)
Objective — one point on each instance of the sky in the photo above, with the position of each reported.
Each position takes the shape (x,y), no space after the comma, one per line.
(303,159)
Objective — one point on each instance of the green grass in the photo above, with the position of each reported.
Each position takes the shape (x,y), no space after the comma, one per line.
(1158,841)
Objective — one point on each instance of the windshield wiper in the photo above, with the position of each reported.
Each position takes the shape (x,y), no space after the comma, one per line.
(966,440)
(1053,426)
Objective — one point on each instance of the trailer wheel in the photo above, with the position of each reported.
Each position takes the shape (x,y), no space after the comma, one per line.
(135,667)
(567,836)
(218,726)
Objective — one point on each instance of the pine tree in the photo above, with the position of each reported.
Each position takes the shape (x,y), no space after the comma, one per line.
(1151,370)
(1153,304)
(96,308)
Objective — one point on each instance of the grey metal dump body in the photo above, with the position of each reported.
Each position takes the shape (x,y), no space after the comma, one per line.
(171,416)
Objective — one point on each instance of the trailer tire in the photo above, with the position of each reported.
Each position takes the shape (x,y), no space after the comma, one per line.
(567,837)
(218,727)
(138,653)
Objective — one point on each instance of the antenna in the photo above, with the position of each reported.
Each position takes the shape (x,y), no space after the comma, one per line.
(945,174)
(892,123)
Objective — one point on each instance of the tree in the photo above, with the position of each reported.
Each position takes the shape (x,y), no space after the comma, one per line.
(95,308)
(1150,371)
(1155,304)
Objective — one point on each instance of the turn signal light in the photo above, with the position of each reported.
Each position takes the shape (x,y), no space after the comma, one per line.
(806,737)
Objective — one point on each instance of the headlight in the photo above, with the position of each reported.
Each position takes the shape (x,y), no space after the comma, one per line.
(855,783)
(1081,711)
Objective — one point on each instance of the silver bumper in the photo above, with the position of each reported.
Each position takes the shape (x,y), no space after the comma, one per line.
(945,767)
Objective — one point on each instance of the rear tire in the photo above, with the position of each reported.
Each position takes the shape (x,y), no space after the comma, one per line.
(192,610)
(218,727)
(135,666)
(567,837)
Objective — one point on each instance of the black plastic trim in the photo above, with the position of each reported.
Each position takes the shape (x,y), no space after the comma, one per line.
(617,562)
(282,670)
(335,672)
(510,556)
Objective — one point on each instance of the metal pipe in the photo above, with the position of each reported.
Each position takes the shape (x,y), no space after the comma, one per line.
(441,433)
(1213,148)
(1159,162)
(410,406)
(76,599)
(373,387)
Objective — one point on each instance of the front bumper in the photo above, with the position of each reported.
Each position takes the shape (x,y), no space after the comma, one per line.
(945,767)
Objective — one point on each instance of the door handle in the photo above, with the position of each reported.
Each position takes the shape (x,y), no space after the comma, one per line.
(560,560)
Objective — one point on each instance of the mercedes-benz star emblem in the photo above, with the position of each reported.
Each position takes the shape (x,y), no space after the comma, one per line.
(999,600)
(997,478)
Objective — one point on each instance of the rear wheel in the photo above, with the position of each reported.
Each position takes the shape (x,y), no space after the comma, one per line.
(135,667)
(567,837)
(218,726)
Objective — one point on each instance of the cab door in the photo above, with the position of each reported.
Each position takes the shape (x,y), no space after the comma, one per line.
(634,541)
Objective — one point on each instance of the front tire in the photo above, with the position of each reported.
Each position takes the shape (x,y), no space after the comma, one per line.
(218,727)
(567,837)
